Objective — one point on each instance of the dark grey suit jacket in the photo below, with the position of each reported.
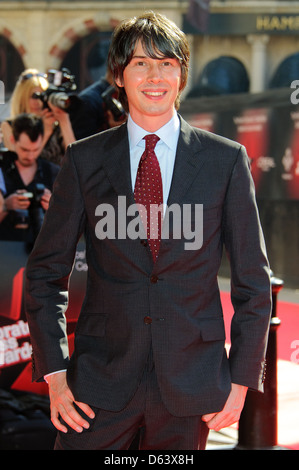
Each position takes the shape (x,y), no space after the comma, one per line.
(179,292)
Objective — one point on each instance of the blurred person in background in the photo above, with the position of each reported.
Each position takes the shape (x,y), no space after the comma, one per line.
(27,181)
(58,132)
(2,184)
(1,197)
(96,114)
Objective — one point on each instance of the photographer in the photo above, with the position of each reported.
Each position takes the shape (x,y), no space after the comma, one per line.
(28,181)
(58,132)
(2,192)
(99,109)
(1,202)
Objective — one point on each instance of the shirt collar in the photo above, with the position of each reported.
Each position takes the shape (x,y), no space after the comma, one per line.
(168,133)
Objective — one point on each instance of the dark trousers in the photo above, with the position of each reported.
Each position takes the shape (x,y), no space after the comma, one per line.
(145,416)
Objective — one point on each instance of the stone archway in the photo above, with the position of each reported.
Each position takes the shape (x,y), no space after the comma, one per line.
(224,75)
(286,72)
(75,49)
(68,38)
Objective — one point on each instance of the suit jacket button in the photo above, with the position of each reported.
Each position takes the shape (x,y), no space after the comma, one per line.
(147,320)
(154,279)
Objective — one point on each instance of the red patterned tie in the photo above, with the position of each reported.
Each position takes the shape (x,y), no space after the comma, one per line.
(148,191)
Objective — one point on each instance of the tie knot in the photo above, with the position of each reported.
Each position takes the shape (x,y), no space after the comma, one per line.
(150,141)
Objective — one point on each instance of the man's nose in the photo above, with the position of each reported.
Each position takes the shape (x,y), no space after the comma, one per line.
(32,155)
(155,73)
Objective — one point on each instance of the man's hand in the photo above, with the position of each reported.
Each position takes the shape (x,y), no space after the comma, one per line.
(45,199)
(17,201)
(62,404)
(231,411)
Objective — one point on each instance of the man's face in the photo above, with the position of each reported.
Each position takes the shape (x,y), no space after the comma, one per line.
(28,151)
(152,86)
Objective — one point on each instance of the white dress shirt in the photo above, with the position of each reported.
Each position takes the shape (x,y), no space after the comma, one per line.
(165,150)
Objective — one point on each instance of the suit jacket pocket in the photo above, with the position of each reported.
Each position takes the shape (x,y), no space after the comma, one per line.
(92,324)
(212,329)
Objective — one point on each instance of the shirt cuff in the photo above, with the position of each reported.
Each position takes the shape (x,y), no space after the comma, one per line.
(52,373)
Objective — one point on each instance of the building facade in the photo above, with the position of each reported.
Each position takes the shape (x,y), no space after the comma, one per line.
(257,35)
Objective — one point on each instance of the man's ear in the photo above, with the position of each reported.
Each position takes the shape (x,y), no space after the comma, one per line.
(119,82)
(12,139)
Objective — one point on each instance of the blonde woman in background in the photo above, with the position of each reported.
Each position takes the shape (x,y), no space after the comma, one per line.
(58,132)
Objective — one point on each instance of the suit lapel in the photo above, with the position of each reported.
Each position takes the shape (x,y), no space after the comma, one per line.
(188,163)
(117,163)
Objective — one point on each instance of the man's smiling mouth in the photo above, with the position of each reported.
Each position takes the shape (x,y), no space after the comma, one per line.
(154,93)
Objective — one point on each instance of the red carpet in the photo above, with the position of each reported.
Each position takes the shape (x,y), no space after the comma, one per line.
(288,331)
(288,368)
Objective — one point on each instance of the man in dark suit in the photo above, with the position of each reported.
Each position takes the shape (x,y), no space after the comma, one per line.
(150,341)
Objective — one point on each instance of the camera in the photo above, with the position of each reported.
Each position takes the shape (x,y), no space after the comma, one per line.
(60,91)
(34,216)
(36,212)
(113,104)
